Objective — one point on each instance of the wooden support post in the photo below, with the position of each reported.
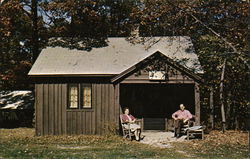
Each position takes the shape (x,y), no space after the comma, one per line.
(166,124)
(118,110)
(197,103)
(211,105)
(142,124)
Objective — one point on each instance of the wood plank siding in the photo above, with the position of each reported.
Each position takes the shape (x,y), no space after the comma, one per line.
(53,117)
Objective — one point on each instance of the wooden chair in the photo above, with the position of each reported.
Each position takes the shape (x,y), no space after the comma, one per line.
(185,127)
(191,133)
(191,130)
(126,132)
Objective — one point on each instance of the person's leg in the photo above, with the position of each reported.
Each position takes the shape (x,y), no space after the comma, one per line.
(139,134)
(176,126)
(136,135)
(180,124)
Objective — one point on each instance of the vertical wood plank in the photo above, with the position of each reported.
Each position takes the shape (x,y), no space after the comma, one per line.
(84,123)
(76,122)
(88,117)
(69,121)
(63,107)
(46,109)
(101,107)
(111,103)
(56,117)
(79,123)
(51,109)
(73,129)
(94,108)
(197,103)
(106,107)
(98,108)
(39,109)
(59,90)
(90,122)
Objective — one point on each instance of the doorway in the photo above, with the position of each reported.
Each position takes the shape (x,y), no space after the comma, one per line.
(156,102)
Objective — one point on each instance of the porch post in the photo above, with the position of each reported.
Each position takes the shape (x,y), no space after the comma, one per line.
(117,103)
(197,103)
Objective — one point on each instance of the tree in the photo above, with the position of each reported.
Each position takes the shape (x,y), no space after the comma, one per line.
(219,31)
(16,41)
(87,24)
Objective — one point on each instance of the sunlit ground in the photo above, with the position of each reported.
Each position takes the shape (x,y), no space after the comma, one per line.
(21,143)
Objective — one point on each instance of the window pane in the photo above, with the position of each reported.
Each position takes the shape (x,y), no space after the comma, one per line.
(73,96)
(86,93)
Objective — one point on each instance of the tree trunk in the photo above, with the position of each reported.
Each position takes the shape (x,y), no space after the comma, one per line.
(211,105)
(237,125)
(222,97)
(228,112)
(35,31)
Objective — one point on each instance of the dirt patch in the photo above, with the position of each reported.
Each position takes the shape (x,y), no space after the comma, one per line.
(72,147)
(160,139)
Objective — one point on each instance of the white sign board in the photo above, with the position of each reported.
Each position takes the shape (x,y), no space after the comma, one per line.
(157,75)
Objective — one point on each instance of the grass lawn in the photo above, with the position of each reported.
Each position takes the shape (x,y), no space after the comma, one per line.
(21,143)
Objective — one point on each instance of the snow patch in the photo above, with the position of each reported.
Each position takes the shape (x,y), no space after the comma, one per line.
(16,100)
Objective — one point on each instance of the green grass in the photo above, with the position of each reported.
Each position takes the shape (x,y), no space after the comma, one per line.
(22,144)
(220,152)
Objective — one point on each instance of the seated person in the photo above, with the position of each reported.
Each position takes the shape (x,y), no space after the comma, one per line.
(181,117)
(128,118)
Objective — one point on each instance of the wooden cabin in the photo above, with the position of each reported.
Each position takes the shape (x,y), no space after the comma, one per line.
(83,92)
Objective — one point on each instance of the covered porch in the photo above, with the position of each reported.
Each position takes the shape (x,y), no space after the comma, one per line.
(154,103)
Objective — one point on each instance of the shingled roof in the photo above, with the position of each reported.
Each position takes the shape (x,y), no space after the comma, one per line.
(119,55)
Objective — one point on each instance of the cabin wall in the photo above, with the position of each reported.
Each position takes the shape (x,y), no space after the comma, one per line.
(53,117)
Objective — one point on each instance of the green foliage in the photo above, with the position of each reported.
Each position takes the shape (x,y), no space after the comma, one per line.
(212,52)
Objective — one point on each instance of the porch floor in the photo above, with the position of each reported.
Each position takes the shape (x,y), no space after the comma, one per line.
(161,139)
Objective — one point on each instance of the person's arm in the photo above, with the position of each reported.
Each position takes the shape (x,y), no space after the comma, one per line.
(124,119)
(189,116)
(174,115)
(133,118)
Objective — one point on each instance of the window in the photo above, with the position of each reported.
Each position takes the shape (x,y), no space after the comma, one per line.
(86,95)
(79,96)
(73,96)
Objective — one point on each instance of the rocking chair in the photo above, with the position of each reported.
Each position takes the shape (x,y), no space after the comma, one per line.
(126,131)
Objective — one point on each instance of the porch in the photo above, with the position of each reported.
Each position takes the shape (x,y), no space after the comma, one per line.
(153,104)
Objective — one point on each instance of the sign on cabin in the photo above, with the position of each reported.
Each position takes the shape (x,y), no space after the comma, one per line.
(157,75)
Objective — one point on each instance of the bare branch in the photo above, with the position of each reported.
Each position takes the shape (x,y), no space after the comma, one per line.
(214,32)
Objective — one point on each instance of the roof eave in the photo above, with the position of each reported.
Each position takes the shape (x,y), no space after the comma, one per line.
(71,75)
